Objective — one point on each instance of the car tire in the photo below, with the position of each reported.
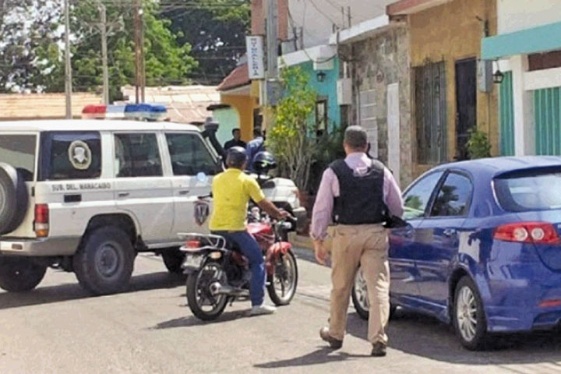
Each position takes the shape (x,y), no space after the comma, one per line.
(173,259)
(104,262)
(468,316)
(20,274)
(360,299)
(14,198)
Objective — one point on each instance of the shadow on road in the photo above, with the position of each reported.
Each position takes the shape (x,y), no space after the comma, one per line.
(191,321)
(426,337)
(73,291)
(321,356)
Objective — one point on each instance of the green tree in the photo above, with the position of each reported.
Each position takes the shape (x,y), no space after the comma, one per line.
(215,28)
(292,138)
(167,61)
(29,31)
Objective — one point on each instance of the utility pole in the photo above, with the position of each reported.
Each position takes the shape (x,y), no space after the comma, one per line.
(142,62)
(272,39)
(103,11)
(67,61)
(137,67)
(271,77)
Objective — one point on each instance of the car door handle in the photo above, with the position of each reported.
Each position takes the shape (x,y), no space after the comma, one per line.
(449,232)
(183,192)
(123,194)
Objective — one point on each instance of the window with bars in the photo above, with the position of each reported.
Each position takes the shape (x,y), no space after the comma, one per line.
(430,113)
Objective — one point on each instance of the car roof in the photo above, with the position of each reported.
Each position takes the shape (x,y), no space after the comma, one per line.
(494,166)
(92,125)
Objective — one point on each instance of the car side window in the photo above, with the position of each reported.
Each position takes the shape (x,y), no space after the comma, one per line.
(71,155)
(189,155)
(137,155)
(418,196)
(454,197)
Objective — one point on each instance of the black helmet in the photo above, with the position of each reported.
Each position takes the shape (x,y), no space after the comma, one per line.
(263,162)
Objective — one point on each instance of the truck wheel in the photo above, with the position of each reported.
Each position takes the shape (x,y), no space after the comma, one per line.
(173,259)
(105,261)
(20,274)
(13,198)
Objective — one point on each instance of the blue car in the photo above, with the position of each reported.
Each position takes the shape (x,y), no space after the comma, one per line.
(482,247)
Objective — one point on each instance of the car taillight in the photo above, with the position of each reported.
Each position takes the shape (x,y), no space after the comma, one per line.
(41,220)
(528,232)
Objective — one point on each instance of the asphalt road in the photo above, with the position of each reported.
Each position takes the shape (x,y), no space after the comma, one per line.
(58,329)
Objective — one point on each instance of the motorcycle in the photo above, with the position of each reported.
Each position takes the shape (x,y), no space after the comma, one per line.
(218,273)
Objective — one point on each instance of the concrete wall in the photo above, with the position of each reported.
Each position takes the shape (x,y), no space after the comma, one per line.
(327,89)
(228,120)
(515,15)
(381,61)
(448,33)
(244,105)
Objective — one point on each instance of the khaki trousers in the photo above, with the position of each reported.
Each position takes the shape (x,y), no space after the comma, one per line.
(367,246)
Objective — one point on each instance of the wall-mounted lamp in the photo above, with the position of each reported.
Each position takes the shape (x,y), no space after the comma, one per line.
(320,76)
(498,77)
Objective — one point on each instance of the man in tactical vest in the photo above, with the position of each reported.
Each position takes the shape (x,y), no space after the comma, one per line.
(354,194)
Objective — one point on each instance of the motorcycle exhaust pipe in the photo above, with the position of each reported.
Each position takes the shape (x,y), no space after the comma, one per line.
(218,289)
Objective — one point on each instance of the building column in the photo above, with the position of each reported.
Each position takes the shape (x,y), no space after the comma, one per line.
(524,133)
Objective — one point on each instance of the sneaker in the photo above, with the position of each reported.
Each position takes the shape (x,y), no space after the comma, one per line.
(262,309)
(378,349)
(326,337)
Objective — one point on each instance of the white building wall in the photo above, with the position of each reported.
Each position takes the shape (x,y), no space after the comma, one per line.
(515,15)
(317,18)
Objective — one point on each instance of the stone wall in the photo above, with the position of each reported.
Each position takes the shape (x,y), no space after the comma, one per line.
(378,62)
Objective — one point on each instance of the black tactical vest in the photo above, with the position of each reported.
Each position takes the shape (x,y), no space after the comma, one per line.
(361,198)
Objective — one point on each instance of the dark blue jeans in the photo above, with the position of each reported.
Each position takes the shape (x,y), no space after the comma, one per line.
(251,250)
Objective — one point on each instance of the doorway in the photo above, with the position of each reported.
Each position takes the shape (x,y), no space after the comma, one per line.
(466,104)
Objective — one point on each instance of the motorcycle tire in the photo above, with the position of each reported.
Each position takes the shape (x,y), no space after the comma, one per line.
(194,287)
(280,265)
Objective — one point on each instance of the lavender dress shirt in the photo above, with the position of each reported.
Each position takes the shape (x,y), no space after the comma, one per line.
(329,190)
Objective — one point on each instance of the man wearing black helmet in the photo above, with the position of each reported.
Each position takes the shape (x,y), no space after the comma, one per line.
(231,191)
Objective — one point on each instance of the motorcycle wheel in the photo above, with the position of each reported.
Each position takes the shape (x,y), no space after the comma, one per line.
(199,296)
(359,296)
(285,276)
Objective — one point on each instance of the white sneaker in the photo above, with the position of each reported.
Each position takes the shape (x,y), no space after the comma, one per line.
(262,310)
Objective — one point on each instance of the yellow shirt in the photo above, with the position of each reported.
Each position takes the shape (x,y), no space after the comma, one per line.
(231,191)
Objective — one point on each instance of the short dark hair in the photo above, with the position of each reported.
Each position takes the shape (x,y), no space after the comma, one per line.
(257,132)
(356,137)
(236,157)
(235,130)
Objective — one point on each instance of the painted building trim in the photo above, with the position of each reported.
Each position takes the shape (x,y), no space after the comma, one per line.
(538,39)
(361,31)
(317,53)
(542,79)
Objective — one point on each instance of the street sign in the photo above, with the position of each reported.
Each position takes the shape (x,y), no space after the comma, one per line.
(255,57)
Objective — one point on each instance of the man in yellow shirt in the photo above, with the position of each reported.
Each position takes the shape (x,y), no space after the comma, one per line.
(231,192)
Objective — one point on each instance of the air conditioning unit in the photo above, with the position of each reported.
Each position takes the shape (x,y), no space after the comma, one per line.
(344,91)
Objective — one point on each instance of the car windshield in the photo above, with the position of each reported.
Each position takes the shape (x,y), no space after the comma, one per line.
(535,189)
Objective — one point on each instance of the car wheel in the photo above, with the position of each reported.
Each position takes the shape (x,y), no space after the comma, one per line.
(359,296)
(173,259)
(468,316)
(105,261)
(14,198)
(20,274)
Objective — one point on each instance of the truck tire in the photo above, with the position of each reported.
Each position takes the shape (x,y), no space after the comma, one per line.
(14,198)
(105,261)
(173,259)
(20,274)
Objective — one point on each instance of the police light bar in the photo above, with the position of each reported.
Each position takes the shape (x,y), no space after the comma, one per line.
(142,112)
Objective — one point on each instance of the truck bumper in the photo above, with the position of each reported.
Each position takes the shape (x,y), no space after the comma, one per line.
(39,247)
